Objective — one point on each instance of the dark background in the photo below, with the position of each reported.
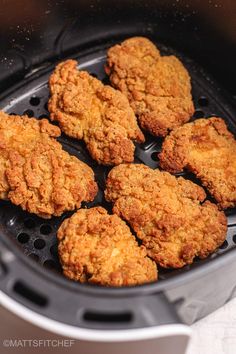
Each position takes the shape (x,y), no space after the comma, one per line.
(35,33)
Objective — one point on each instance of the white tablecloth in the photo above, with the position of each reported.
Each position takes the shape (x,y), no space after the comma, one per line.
(216,333)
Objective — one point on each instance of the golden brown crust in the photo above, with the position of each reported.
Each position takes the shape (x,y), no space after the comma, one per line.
(36,173)
(167,213)
(87,109)
(158,87)
(21,133)
(48,181)
(99,248)
(208,149)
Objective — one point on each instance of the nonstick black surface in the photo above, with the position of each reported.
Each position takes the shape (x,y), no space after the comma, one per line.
(36,236)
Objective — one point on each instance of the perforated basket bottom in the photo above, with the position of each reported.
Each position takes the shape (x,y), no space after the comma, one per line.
(36,236)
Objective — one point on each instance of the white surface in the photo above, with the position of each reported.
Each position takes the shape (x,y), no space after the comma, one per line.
(216,333)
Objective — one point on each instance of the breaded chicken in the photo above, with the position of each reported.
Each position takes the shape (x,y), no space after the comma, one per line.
(208,149)
(100,115)
(167,213)
(48,181)
(36,173)
(99,248)
(158,87)
(21,134)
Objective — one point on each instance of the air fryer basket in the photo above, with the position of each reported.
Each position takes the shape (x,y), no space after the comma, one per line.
(29,268)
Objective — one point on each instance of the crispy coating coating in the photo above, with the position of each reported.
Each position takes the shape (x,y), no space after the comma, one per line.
(100,115)
(99,248)
(21,133)
(48,181)
(208,149)
(158,87)
(36,173)
(167,213)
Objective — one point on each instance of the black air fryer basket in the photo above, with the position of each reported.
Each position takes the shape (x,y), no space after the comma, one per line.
(34,37)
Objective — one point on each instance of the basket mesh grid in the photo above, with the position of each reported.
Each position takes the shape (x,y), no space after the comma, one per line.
(36,236)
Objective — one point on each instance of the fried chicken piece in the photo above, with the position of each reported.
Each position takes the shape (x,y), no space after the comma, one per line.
(48,181)
(100,115)
(158,87)
(36,173)
(167,213)
(99,248)
(208,149)
(21,133)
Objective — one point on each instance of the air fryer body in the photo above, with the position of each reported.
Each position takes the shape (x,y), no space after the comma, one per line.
(34,35)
